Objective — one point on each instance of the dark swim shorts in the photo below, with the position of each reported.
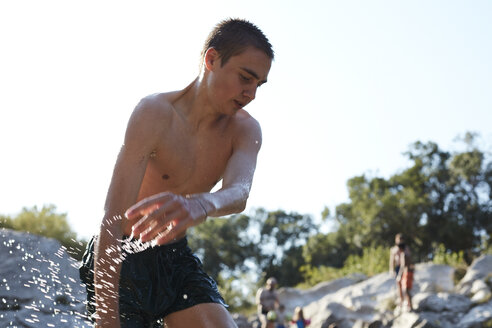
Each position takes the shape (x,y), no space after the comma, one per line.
(154,282)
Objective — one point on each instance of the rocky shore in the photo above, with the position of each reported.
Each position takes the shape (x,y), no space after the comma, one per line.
(39,287)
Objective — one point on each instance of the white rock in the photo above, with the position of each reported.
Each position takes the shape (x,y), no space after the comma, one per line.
(480,269)
(406,320)
(292,297)
(360,304)
(39,283)
(478,315)
(441,302)
(478,285)
(482,296)
(433,278)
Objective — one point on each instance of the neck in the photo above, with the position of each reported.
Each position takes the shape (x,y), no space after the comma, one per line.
(195,106)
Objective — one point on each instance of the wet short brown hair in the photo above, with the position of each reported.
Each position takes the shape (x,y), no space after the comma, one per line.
(232,36)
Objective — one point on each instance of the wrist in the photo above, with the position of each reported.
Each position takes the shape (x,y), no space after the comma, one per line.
(206,205)
(201,207)
(205,212)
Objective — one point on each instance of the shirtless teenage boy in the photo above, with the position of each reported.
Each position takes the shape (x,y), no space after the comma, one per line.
(177,146)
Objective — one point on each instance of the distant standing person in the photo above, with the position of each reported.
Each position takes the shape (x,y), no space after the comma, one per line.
(267,300)
(402,268)
(298,318)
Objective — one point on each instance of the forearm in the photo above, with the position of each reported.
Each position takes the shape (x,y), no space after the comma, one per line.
(225,201)
(107,269)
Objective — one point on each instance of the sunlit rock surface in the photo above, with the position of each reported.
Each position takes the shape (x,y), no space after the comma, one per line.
(371,303)
(39,283)
(39,287)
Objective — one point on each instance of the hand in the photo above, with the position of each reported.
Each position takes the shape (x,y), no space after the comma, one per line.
(165,216)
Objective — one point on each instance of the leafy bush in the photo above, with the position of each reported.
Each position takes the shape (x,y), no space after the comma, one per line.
(456,260)
(374,260)
(47,223)
(443,256)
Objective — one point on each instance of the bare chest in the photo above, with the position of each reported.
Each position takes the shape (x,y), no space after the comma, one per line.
(184,163)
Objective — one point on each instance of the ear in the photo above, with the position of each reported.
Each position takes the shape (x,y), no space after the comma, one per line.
(211,59)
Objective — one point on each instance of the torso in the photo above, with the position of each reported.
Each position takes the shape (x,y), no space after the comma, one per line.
(398,256)
(395,253)
(268,298)
(186,161)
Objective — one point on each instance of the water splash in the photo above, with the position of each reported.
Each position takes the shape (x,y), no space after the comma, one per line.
(40,286)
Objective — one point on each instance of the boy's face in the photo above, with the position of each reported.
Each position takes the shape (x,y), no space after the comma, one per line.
(234,85)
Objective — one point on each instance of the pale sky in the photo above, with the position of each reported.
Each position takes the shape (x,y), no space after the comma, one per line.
(354,83)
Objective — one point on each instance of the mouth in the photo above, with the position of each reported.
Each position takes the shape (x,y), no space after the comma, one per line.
(238,105)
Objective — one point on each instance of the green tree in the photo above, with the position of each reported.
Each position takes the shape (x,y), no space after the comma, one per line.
(223,244)
(282,236)
(6,222)
(46,222)
(442,198)
(326,250)
(458,189)
(228,252)
(268,242)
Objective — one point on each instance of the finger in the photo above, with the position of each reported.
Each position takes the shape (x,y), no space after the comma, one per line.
(151,230)
(159,215)
(163,222)
(141,225)
(147,205)
(170,235)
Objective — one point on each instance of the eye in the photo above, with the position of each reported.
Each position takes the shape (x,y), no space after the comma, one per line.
(244,78)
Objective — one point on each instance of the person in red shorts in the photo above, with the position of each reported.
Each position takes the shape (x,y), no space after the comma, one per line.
(404,268)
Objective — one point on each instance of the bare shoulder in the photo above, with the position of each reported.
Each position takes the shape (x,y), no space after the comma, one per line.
(154,107)
(149,120)
(247,127)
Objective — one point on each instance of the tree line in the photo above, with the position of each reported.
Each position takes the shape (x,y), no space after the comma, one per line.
(48,223)
(442,202)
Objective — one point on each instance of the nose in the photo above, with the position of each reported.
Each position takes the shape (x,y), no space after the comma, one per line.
(250,92)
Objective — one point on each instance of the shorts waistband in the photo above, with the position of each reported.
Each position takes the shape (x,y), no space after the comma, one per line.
(132,245)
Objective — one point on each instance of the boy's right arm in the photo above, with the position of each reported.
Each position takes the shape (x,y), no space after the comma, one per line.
(123,192)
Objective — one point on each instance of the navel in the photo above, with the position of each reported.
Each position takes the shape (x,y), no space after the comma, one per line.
(165,177)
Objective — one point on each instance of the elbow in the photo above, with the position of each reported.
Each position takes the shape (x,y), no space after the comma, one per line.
(241,194)
(241,206)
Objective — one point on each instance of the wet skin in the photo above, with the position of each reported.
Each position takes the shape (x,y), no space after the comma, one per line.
(177,146)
